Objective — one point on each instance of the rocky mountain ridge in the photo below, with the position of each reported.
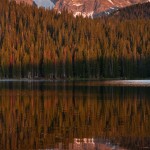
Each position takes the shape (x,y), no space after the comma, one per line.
(87,8)
(93,8)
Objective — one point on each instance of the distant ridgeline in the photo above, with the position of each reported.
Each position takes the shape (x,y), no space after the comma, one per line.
(41,43)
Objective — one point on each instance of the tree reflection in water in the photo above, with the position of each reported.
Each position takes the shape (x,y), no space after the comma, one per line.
(51,115)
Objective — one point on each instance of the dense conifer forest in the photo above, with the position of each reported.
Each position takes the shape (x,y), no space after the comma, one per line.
(35,42)
(138,11)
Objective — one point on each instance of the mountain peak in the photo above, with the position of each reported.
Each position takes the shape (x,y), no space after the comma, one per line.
(93,8)
(86,8)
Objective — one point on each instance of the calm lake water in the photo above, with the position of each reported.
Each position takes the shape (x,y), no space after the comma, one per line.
(74,115)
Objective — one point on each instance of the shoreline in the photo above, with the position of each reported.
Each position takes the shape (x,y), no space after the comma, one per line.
(71,79)
(84,82)
(74,79)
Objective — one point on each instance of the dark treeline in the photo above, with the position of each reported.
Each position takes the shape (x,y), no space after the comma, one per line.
(138,11)
(42,43)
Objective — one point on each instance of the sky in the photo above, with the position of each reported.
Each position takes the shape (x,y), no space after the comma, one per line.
(45,3)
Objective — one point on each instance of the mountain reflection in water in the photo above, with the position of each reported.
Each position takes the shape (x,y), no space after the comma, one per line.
(68,116)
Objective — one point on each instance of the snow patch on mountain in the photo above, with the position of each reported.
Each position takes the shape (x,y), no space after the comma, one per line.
(77,4)
(77,14)
(84,15)
(111,1)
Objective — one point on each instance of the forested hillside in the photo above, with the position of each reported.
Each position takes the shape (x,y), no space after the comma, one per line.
(41,43)
(138,11)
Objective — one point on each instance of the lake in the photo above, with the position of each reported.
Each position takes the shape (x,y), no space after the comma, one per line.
(75,115)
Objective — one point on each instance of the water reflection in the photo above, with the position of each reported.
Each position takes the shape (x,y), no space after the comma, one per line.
(68,116)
